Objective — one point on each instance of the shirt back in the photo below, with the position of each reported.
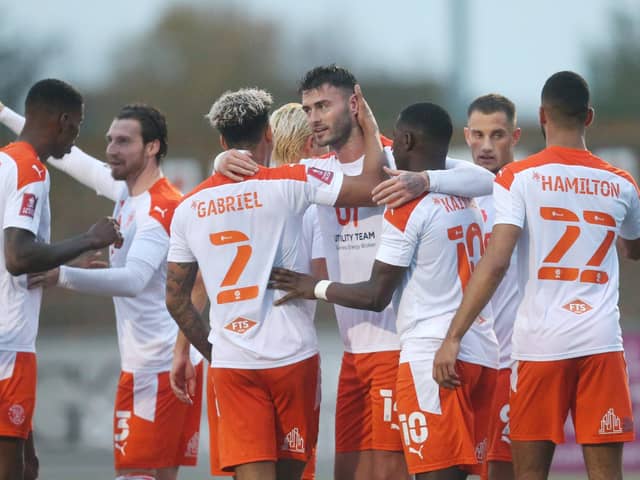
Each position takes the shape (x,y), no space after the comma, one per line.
(571,206)
(237,232)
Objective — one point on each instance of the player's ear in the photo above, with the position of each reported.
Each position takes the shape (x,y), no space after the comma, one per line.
(591,113)
(542,115)
(467,135)
(223,143)
(409,140)
(353,104)
(515,136)
(153,147)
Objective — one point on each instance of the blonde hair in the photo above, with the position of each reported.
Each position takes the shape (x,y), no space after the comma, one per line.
(291,131)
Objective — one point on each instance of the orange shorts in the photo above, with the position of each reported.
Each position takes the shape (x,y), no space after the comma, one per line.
(18,372)
(442,428)
(594,388)
(499,449)
(266,414)
(152,428)
(364,407)
(214,456)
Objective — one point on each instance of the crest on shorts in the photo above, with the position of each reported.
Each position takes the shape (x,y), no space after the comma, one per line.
(16,414)
(240,325)
(294,441)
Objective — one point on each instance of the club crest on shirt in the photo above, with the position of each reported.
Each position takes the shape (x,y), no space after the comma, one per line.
(324,176)
(28,208)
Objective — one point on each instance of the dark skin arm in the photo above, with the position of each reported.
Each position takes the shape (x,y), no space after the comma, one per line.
(181,278)
(24,254)
(374,294)
(483,283)
(630,248)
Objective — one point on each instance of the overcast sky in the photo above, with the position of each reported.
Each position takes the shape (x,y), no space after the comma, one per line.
(513,46)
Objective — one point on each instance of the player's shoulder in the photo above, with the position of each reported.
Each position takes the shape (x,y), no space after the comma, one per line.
(399,217)
(163,200)
(23,157)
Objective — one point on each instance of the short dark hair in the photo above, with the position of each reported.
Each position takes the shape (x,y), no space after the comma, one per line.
(242,116)
(153,124)
(429,119)
(566,97)
(54,96)
(492,103)
(333,74)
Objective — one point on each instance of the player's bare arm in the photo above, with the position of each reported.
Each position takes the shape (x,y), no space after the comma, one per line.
(182,377)
(181,278)
(483,283)
(400,188)
(356,190)
(374,294)
(630,248)
(24,254)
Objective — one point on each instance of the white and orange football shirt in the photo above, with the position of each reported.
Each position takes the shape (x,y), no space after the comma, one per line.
(351,238)
(24,204)
(439,239)
(571,206)
(237,232)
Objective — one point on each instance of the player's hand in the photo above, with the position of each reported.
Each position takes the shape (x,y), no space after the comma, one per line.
(235,164)
(444,364)
(105,232)
(43,279)
(298,285)
(366,119)
(89,260)
(183,377)
(402,187)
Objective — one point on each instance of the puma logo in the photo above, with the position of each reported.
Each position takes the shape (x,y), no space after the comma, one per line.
(161,211)
(38,171)
(417,452)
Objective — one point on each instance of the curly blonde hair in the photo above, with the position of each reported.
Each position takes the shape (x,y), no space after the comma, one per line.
(291,131)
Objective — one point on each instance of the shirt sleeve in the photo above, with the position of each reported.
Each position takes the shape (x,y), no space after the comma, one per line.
(630,227)
(127,281)
(12,120)
(25,206)
(179,250)
(461,178)
(323,186)
(91,172)
(509,204)
(397,245)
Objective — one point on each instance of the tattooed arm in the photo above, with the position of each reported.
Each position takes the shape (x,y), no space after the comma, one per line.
(180,280)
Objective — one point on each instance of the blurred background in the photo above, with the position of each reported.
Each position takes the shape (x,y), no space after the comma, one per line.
(180,55)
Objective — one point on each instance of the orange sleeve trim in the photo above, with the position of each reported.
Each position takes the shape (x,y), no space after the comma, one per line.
(30,168)
(399,217)
(164,200)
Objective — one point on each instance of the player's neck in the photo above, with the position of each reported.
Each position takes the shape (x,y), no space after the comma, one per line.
(42,148)
(144,180)
(427,161)
(351,149)
(567,139)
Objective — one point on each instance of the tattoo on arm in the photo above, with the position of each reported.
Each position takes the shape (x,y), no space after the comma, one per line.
(180,280)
